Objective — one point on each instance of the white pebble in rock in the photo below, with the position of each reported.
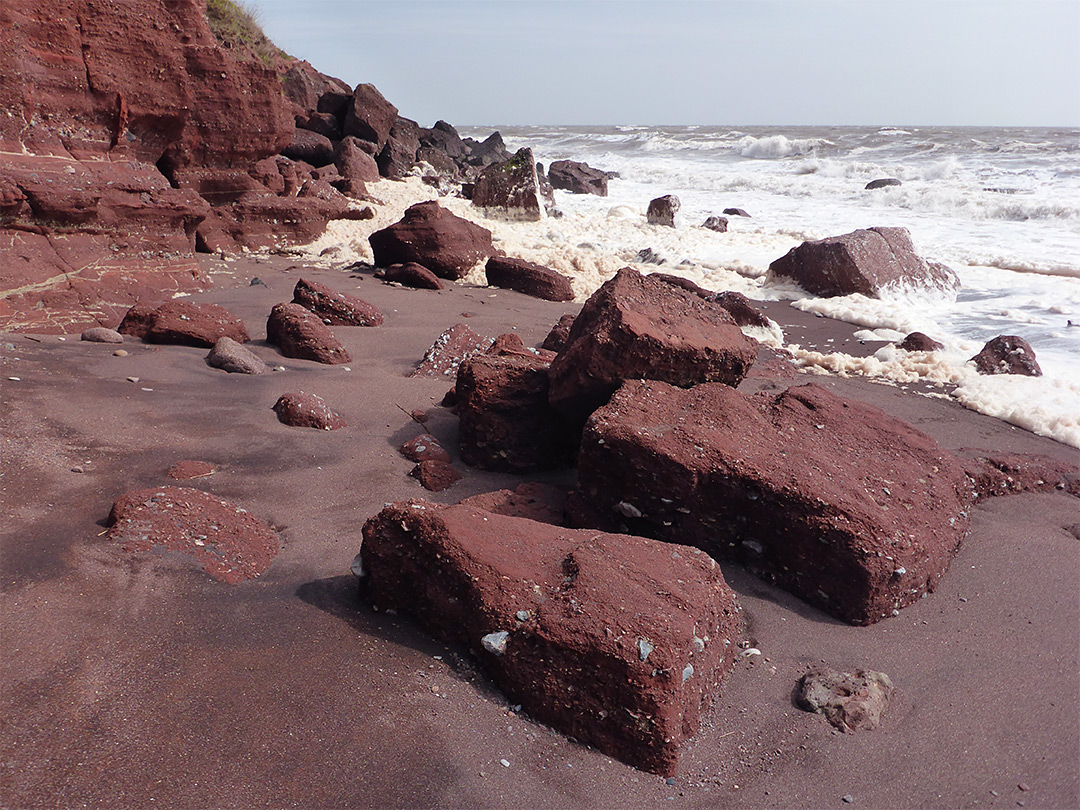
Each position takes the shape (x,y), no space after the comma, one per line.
(644,647)
(495,643)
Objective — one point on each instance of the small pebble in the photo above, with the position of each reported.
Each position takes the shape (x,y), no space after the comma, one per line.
(670,780)
(848,799)
(1023,786)
(505,763)
(120,353)
(14,379)
(132,379)
(76,469)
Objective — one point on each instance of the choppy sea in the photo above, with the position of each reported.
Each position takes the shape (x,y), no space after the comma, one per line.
(1001,206)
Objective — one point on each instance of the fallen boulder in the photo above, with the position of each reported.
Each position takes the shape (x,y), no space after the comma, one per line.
(528,278)
(183,323)
(300,409)
(356,166)
(849,508)
(449,350)
(506,421)
(230,544)
(300,333)
(636,327)
(398,156)
(919,342)
(873,262)
(369,116)
(662,210)
(579,178)
(850,701)
(410,274)
(335,308)
(1007,354)
(235,358)
(511,188)
(428,234)
(617,641)
(310,147)
(738,306)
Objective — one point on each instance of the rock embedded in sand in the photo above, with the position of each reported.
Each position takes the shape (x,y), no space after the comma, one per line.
(662,210)
(578,178)
(230,544)
(434,475)
(512,188)
(300,333)
(410,274)
(449,350)
(834,500)
(448,245)
(528,278)
(339,309)
(850,701)
(183,323)
(635,327)
(506,422)
(101,334)
(1004,473)
(301,409)
(573,605)
(235,358)
(919,342)
(873,262)
(1007,354)
(424,447)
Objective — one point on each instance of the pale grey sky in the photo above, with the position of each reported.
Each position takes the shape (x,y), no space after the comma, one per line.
(872,62)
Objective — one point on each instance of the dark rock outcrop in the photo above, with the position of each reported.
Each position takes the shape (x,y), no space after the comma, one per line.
(718,224)
(884,182)
(834,500)
(735,212)
(410,274)
(301,409)
(335,308)
(398,156)
(230,544)
(310,147)
(183,323)
(435,475)
(1007,354)
(662,210)
(617,641)
(506,421)
(356,167)
(528,278)
(635,327)
(428,234)
(235,358)
(918,342)
(738,306)
(579,178)
(511,188)
(559,333)
(300,333)
(850,701)
(369,116)
(871,262)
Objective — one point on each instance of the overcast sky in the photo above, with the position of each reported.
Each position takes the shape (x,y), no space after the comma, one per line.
(738,62)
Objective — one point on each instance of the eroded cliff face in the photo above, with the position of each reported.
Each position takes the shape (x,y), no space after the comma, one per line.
(116,116)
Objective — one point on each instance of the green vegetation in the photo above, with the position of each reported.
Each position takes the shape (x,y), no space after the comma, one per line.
(236,28)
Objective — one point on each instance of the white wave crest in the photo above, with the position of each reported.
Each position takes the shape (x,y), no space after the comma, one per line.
(778,146)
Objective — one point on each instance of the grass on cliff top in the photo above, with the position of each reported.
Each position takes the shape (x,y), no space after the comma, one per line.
(236,28)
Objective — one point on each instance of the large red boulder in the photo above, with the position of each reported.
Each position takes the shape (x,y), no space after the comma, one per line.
(1007,354)
(369,116)
(506,421)
(183,323)
(579,178)
(428,234)
(617,641)
(300,333)
(834,500)
(449,350)
(230,544)
(356,166)
(634,328)
(511,188)
(873,262)
(335,308)
(528,278)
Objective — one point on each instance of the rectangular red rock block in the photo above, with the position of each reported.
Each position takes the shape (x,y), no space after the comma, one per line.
(617,641)
(834,500)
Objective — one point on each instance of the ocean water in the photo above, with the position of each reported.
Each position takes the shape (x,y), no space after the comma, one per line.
(1000,206)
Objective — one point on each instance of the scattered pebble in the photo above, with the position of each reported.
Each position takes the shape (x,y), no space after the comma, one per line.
(505,763)
(670,780)
(120,353)
(77,469)
(132,379)
(1022,786)
(848,799)
(14,379)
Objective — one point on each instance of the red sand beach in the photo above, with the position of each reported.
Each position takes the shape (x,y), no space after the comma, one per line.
(136,680)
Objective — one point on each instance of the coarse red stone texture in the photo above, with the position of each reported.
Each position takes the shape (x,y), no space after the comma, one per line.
(425,447)
(683,283)
(369,116)
(184,470)
(872,262)
(738,306)
(410,274)
(849,508)
(301,409)
(511,188)
(614,640)
(449,350)
(534,500)
(635,327)
(300,333)
(337,308)
(183,323)
(446,244)
(1007,354)
(579,178)
(1012,473)
(434,475)
(230,544)
(506,421)
(528,278)
(556,337)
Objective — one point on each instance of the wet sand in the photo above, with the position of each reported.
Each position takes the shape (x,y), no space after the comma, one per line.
(137,681)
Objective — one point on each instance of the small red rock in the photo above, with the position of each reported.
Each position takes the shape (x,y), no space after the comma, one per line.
(339,309)
(306,410)
(435,476)
(298,332)
(425,447)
